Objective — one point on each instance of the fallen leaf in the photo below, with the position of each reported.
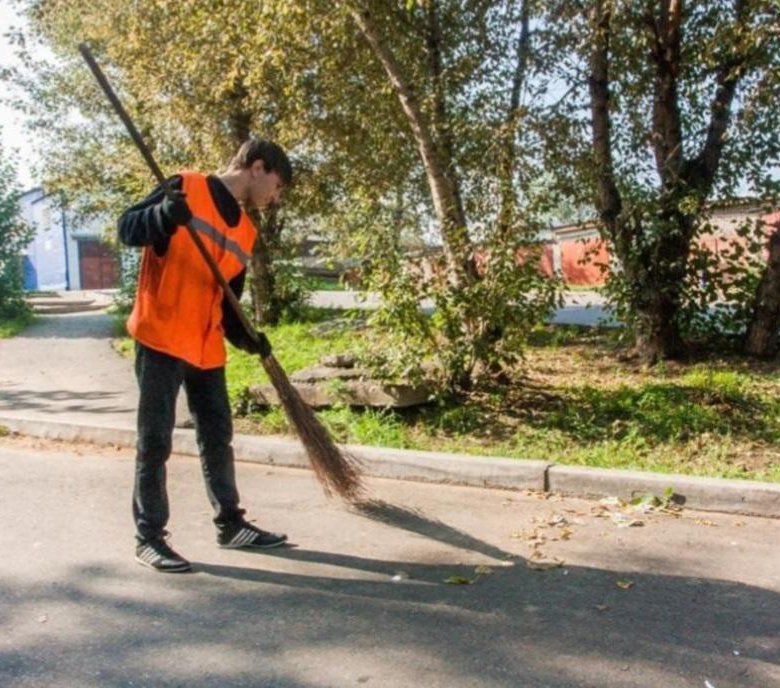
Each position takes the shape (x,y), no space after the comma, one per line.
(458,580)
(624,584)
(624,521)
(483,570)
(704,522)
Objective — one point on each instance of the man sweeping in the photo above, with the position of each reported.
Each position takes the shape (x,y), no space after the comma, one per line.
(179,322)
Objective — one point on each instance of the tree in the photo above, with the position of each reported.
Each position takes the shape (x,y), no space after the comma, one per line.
(408,125)
(679,113)
(14,237)
(196,100)
(457,106)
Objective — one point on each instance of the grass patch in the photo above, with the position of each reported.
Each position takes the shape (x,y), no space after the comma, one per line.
(324,284)
(580,403)
(9,327)
(296,345)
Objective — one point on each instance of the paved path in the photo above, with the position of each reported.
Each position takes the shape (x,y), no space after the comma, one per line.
(64,367)
(703,602)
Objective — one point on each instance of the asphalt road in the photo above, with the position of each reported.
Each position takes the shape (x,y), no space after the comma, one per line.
(677,601)
(580,308)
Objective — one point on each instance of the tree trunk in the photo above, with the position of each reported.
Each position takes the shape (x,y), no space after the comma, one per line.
(266,304)
(508,151)
(657,333)
(761,338)
(449,211)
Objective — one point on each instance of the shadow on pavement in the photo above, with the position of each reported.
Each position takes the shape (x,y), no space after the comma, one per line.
(415,521)
(237,626)
(61,401)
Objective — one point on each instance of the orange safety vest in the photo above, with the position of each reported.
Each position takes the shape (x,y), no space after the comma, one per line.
(178,307)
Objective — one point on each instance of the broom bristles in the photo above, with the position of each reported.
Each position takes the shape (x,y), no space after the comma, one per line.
(337,471)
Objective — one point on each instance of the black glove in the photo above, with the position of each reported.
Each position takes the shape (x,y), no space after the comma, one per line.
(175,210)
(260,345)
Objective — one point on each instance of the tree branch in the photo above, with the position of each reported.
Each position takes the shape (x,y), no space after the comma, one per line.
(667,127)
(508,152)
(608,199)
(700,171)
(445,200)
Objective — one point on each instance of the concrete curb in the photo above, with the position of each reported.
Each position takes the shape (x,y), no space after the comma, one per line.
(747,497)
(709,494)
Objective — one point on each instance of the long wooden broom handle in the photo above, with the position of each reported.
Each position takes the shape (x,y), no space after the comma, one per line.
(166,187)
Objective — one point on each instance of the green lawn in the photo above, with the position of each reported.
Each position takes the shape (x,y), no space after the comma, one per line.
(579,402)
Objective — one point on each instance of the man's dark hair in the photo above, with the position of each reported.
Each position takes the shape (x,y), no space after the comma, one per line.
(273,156)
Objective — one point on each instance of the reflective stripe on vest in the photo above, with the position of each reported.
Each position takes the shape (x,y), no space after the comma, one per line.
(218,238)
(178,307)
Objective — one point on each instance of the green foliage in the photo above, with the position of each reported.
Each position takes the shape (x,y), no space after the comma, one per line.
(193,106)
(14,237)
(130,265)
(324,284)
(471,332)
(11,326)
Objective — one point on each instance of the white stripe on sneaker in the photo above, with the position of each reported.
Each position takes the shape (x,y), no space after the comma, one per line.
(243,537)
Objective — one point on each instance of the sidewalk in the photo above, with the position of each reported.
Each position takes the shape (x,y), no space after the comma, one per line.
(64,368)
(62,379)
(360,598)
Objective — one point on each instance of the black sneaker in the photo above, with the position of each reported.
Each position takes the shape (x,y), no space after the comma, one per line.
(243,534)
(157,555)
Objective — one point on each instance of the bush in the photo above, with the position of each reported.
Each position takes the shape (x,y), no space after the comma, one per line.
(14,237)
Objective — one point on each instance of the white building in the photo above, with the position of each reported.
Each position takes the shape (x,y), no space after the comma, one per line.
(63,254)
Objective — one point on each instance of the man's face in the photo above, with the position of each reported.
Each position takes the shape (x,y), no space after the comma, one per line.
(265,188)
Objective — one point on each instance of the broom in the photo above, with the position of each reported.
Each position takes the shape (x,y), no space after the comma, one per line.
(337,472)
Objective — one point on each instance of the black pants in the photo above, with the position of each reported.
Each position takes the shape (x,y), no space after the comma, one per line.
(159,377)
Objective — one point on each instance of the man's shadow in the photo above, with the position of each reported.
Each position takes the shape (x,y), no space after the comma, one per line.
(411,520)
